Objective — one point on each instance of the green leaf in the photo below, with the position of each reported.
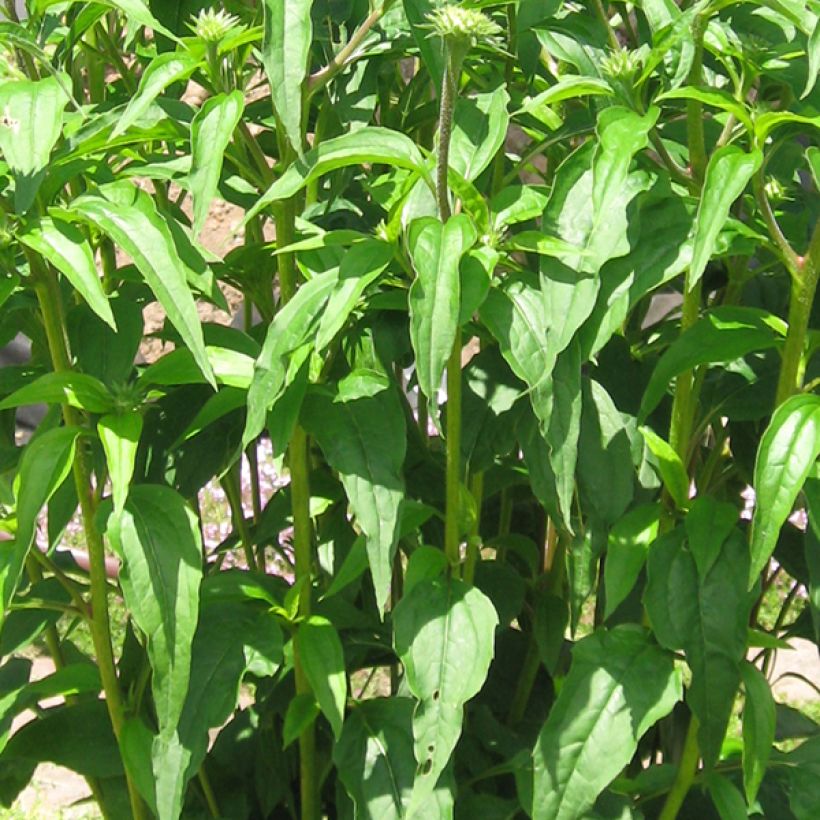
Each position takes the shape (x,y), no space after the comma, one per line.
(361,430)
(211,132)
(64,387)
(813,54)
(727,174)
(435,295)
(727,799)
(320,653)
(158,540)
(620,683)
(787,453)
(713,97)
(230,638)
(708,524)
(374,758)
(605,472)
(32,121)
(515,314)
(366,145)
(629,541)
(163,70)
(707,617)
(301,713)
(593,187)
(722,335)
(44,466)
(130,218)
(770,120)
(671,469)
(567,88)
(361,265)
(443,634)
(138,11)
(430,47)
(551,618)
(293,325)
(479,129)
(120,435)
(62,244)
(759,721)
(286,57)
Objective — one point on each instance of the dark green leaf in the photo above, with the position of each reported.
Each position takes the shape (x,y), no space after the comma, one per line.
(759,719)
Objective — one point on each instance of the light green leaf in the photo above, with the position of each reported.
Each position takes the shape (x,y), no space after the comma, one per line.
(436,251)
(285,56)
(620,683)
(120,435)
(671,469)
(365,146)
(593,187)
(158,540)
(302,711)
(374,758)
(163,70)
(32,121)
(727,174)
(64,387)
(361,430)
(138,11)
(517,203)
(293,325)
(813,54)
(320,653)
(211,132)
(768,122)
(629,541)
(722,335)
(787,453)
(62,244)
(479,129)
(759,720)
(130,218)
(230,638)
(726,797)
(713,97)
(443,634)
(707,617)
(567,88)
(44,466)
(361,265)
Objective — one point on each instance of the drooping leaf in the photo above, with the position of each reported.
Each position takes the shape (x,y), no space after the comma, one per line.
(629,541)
(479,129)
(320,653)
(436,250)
(32,121)
(44,466)
(158,540)
(787,453)
(726,797)
(211,132)
(707,617)
(130,218)
(285,56)
(366,145)
(361,265)
(727,174)
(290,329)
(138,11)
(163,70)
(120,435)
(67,249)
(63,387)
(620,683)
(671,469)
(759,721)
(361,431)
(721,335)
(444,636)
(374,758)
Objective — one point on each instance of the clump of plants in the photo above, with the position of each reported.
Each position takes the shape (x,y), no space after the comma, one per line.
(529,329)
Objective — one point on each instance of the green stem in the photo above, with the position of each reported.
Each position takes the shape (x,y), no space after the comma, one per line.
(453,492)
(793,365)
(232,485)
(474,539)
(686,773)
(600,11)
(48,297)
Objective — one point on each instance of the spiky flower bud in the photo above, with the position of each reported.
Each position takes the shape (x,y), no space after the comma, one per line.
(462,26)
(212,26)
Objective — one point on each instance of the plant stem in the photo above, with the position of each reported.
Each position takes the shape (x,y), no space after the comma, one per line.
(686,773)
(694,108)
(474,540)
(232,485)
(48,297)
(526,680)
